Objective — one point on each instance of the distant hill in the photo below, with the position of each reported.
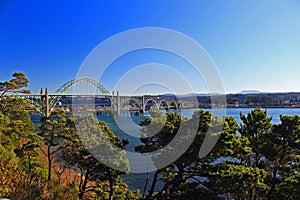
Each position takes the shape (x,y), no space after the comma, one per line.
(195,94)
(185,95)
(249,92)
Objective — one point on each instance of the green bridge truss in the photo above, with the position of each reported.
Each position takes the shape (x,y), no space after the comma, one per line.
(70,83)
(141,102)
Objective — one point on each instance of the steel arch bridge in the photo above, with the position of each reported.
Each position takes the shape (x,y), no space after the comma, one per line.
(70,83)
(43,103)
(53,102)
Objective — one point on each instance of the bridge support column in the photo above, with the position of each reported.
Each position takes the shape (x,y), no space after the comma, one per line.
(143,104)
(118,104)
(47,110)
(42,98)
(45,102)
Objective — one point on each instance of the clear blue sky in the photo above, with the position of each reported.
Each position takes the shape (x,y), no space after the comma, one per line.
(254,43)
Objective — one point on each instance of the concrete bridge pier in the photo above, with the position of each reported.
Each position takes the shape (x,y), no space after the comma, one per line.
(118,104)
(143,104)
(45,102)
(116,107)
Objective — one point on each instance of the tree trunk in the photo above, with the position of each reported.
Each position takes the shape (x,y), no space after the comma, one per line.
(83,187)
(151,191)
(111,186)
(146,184)
(29,166)
(49,164)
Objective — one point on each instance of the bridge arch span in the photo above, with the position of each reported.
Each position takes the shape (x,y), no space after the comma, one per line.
(126,101)
(35,106)
(154,103)
(173,104)
(182,104)
(163,104)
(72,82)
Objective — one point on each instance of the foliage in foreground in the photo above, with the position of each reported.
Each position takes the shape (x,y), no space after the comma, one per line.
(253,160)
(256,160)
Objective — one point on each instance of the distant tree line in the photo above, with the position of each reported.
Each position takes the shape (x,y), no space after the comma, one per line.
(260,99)
(248,100)
(265,99)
